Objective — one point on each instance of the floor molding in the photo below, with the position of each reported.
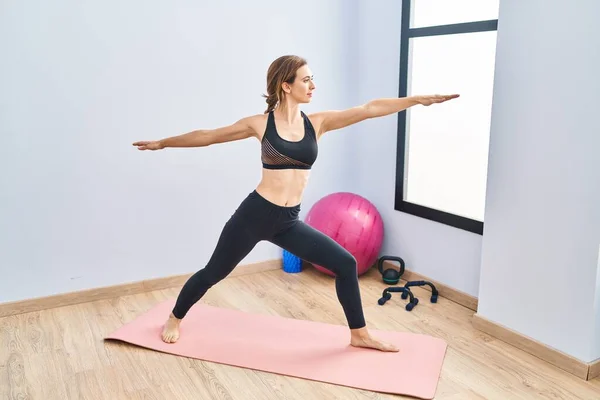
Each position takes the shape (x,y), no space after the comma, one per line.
(445,291)
(103,293)
(580,369)
(594,370)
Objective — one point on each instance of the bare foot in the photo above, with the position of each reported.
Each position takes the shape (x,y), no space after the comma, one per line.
(361,338)
(372,343)
(170,333)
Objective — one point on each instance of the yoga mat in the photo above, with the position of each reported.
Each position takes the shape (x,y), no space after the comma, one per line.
(298,348)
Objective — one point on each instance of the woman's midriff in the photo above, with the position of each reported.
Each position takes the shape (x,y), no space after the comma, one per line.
(283,187)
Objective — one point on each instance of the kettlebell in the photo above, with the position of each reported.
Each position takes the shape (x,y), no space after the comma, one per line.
(390,275)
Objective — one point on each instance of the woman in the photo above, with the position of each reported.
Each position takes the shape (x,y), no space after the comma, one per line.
(288,140)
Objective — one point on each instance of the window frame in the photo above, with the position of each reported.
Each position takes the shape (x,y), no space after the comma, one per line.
(407,33)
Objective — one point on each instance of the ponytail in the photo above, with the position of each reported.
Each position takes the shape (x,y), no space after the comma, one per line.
(271,101)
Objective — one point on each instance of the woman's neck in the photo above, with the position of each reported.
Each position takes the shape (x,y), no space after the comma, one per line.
(288,112)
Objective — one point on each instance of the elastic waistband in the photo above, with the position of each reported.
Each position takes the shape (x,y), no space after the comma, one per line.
(255,194)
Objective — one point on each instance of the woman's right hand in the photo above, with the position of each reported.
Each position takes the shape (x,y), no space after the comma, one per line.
(149,145)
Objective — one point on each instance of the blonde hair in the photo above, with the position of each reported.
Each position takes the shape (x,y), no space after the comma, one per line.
(281,70)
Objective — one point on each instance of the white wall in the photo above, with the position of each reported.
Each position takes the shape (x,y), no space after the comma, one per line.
(80,206)
(443,253)
(540,245)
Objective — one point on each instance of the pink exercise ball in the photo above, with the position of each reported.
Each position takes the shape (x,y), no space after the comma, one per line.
(353,222)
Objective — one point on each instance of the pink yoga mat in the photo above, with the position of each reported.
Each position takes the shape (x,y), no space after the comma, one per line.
(298,348)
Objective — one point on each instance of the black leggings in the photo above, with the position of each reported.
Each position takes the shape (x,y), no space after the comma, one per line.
(258,219)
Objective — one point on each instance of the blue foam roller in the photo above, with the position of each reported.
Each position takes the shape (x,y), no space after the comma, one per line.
(291,263)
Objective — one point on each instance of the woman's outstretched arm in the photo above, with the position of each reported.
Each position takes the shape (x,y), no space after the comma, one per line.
(242,129)
(332,120)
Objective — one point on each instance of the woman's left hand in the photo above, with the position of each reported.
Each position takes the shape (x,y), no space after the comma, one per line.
(428,100)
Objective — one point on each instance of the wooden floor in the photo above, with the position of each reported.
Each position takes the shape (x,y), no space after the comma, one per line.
(60,353)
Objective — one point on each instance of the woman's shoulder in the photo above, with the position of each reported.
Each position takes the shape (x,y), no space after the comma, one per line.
(258,123)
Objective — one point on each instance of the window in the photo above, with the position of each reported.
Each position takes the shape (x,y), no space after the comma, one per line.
(447,46)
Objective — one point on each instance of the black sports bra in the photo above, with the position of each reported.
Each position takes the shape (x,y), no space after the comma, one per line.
(279,153)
